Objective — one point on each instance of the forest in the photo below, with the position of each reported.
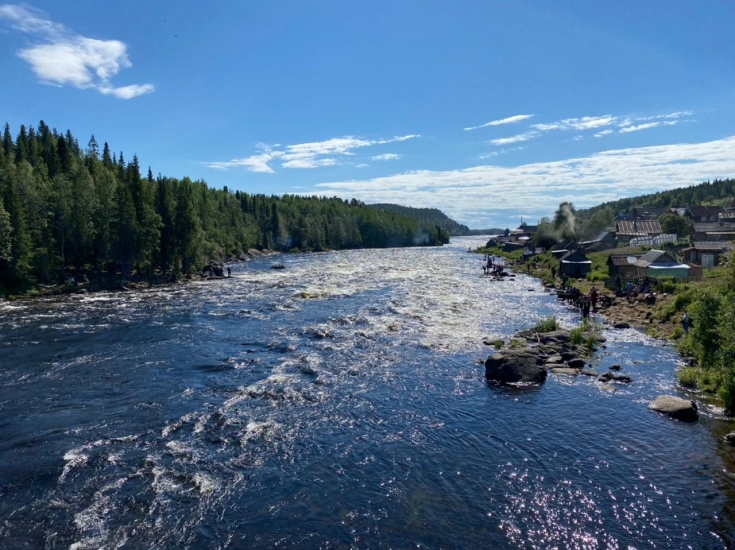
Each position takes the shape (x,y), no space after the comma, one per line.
(64,208)
(434,216)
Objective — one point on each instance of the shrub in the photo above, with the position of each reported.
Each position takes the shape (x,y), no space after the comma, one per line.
(577,337)
(547,325)
(687,376)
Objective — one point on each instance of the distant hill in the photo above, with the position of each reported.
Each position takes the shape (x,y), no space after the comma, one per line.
(434,216)
(714,193)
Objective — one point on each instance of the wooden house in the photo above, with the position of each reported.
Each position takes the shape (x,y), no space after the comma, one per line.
(575,264)
(622,265)
(659,263)
(700,214)
(713,231)
(707,254)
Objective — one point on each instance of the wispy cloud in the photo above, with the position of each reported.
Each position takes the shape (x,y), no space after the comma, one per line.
(538,188)
(308,155)
(525,136)
(584,123)
(603,133)
(639,127)
(509,120)
(62,57)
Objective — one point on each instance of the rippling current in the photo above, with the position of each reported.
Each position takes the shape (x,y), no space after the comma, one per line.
(339,403)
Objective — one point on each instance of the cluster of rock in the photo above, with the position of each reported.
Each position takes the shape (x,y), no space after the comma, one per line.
(216,268)
(542,353)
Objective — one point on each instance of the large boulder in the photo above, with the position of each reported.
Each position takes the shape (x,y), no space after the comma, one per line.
(675,407)
(576,363)
(612,377)
(523,366)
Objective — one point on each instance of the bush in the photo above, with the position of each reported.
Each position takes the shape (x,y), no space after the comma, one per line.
(687,376)
(577,337)
(549,324)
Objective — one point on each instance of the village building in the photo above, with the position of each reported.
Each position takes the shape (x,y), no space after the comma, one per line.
(621,265)
(575,264)
(648,212)
(707,254)
(603,241)
(511,246)
(629,229)
(659,263)
(712,231)
(699,214)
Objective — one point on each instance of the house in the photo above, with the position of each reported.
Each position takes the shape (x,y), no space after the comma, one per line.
(707,254)
(704,213)
(622,265)
(628,229)
(562,250)
(604,241)
(575,264)
(648,212)
(713,231)
(511,246)
(659,263)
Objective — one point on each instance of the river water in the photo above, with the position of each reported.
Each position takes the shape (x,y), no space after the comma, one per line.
(338,403)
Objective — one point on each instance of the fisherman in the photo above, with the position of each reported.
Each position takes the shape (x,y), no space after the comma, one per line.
(593,299)
(229,272)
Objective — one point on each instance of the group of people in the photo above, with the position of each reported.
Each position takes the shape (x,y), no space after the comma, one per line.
(633,291)
(492,267)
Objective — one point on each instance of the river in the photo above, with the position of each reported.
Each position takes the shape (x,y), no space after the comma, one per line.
(338,403)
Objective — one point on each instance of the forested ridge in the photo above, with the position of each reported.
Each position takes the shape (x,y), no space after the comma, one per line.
(709,193)
(434,216)
(65,208)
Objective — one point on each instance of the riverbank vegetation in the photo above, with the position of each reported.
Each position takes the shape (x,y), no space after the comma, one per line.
(708,346)
(65,210)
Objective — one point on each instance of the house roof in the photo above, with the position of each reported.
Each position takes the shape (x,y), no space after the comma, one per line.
(650,211)
(656,257)
(714,246)
(714,227)
(699,211)
(639,228)
(621,259)
(574,256)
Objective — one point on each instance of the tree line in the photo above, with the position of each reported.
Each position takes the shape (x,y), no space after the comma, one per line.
(66,208)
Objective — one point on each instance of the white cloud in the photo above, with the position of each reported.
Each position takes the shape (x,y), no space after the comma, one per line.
(509,120)
(603,133)
(577,138)
(584,123)
(639,127)
(538,188)
(525,136)
(64,58)
(308,155)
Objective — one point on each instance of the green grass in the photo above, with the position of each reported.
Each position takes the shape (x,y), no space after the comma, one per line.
(687,376)
(549,324)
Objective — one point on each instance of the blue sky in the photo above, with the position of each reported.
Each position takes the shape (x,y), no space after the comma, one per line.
(488,110)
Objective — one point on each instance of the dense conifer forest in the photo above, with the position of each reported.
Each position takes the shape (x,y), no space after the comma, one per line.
(714,193)
(434,216)
(64,208)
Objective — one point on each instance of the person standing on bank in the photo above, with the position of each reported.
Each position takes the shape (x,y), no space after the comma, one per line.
(686,322)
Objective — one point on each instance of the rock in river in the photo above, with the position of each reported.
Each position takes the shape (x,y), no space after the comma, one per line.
(515,366)
(675,407)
